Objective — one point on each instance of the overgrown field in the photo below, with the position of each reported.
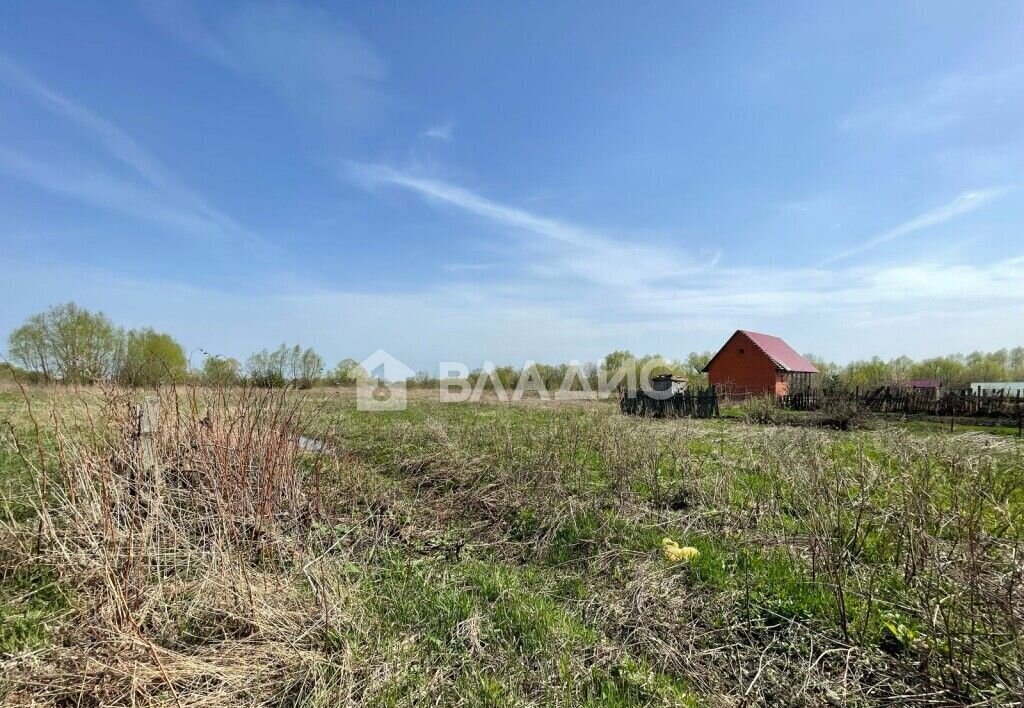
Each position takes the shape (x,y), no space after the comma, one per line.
(496,554)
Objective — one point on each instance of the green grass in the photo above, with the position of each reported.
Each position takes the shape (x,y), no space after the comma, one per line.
(32,601)
(488,554)
(962,425)
(503,631)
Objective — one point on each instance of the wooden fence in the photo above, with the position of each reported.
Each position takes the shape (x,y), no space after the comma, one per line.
(957,404)
(809,401)
(702,403)
(966,404)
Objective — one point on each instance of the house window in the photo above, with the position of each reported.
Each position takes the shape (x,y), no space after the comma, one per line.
(741,350)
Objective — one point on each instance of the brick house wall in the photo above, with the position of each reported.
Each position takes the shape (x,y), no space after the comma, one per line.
(742,369)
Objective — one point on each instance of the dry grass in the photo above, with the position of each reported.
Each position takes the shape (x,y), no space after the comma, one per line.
(492,555)
(187,574)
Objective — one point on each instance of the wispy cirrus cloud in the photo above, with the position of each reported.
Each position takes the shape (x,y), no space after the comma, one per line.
(181,21)
(469,201)
(461,267)
(157,193)
(964,203)
(317,62)
(940,104)
(572,249)
(108,192)
(597,278)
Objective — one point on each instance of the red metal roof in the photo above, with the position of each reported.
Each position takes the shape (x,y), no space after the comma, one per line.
(781,353)
(923,383)
(785,357)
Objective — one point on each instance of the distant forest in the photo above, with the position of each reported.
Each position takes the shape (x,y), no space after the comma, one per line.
(73,345)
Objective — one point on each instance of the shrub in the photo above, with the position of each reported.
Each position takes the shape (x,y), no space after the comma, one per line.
(152,358)
(839,412)
(763,410)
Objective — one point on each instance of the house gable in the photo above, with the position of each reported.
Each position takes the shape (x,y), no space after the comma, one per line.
(737,346)
(742,367)
(750,363)
(782,356)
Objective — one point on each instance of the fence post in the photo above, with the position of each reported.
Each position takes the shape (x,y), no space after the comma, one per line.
(1020,417)
(149,417)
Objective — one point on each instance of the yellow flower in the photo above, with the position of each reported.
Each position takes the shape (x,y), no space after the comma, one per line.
(674,552)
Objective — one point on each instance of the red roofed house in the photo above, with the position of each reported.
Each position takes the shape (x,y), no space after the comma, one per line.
(931,387)
(752,364)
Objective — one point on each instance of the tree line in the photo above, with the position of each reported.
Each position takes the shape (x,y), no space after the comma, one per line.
(956,371)
(71,344)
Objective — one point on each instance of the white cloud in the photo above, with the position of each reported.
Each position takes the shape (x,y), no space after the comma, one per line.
(420,328)
(803,291)
(964,203)
(628,287)
(844,313)
(442,131)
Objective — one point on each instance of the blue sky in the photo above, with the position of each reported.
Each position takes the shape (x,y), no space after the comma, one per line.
(512,181)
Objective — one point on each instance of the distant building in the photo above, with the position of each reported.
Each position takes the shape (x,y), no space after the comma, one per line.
(752,364)
(668,382)
(927,386)
(1010,388)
